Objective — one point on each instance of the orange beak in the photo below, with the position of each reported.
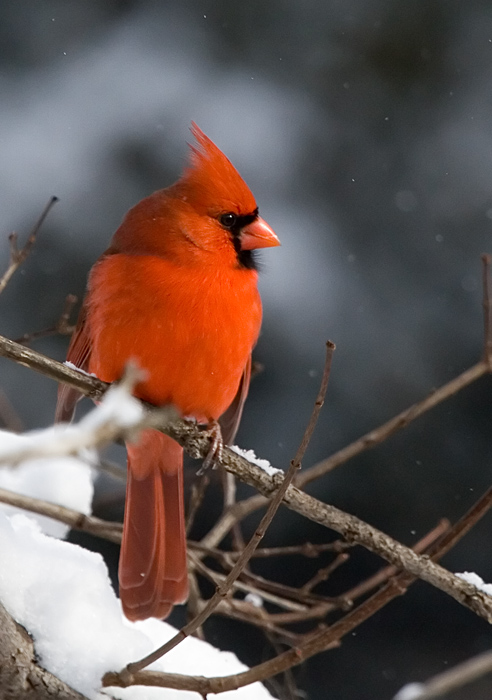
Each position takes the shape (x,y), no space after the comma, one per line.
(258,234)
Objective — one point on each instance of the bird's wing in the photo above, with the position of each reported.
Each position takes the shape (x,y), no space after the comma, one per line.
(229,421)
(79,353)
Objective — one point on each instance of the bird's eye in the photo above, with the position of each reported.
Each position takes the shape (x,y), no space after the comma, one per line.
(228,220)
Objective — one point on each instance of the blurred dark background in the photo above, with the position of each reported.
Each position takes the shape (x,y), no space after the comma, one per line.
(364,129)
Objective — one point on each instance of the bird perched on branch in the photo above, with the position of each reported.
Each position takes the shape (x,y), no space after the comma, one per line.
(176,291)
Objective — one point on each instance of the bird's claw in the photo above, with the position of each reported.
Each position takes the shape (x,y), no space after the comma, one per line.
(214,453)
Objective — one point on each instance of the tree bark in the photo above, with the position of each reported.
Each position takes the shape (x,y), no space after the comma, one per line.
(21,677)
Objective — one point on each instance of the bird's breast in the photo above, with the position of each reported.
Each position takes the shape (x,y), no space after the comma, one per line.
(191,329)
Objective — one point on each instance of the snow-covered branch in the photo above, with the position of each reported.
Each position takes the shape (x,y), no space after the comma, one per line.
(197,444)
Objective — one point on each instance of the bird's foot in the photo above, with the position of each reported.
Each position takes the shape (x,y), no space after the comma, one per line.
(216,447)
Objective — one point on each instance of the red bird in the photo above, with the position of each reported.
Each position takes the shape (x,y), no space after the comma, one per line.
(176,291)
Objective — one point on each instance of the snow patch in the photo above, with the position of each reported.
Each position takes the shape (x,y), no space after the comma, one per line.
(475,580)
(62,595)
(411,691)
(263,464)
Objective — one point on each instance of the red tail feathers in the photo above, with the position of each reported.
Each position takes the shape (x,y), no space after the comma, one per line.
(153,572)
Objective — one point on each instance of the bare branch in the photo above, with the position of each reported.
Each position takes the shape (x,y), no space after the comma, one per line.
(306,549)
(353,529)
(74,519)
(61,327)
(196,499)
(88,386)
(318,405)
(17,256)
(379,435)
(324,573)
(8,415)
(383,432)
(387,572)
(20,674)
(237,512)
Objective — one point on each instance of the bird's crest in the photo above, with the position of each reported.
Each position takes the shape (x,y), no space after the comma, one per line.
(212,180)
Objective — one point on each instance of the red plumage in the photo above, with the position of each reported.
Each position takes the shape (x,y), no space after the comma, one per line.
(176,291)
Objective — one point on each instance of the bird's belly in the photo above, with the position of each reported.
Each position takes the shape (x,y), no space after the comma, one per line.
(192,334)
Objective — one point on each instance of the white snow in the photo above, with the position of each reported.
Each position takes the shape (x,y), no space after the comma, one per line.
(117,405)
(53,462)
(250,455)
(62,595)
(117,408)
(254,599)
(66,481)
(411,691)
(475,580)
(71,365)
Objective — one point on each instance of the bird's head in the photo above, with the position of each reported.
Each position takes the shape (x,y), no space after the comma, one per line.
(213,188)
(208,215)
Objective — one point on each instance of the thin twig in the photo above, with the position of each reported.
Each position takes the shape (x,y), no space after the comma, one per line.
(74,519)
(462,527)
(289,592)
(61,327)
(195,602)
(324,573)
(225,523)
(8,414)
(217,579)
(318,405)
(402,420)
(229,487)
(306,549)
(17,256)
(249,614)
(196,499)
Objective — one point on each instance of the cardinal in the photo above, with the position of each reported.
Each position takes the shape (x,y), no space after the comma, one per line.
(176,292)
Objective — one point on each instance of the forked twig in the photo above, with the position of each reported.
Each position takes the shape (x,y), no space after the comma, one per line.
(17,256)
(61,327)
(324,573)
